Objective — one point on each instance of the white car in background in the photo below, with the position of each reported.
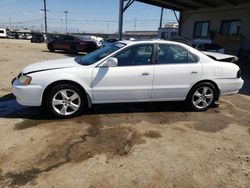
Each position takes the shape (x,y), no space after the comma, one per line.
(3,33)
(98,40)
(207,45)
(128,71)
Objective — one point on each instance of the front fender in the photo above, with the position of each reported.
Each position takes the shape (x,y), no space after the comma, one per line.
(80,77)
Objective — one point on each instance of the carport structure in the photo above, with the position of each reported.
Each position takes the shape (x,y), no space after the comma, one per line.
(178,5)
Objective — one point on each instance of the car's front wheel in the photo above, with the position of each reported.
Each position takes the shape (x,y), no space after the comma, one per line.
(51,48)
(201,97)
(64,101)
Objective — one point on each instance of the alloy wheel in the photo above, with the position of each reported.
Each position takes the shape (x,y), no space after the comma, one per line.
(66,102)
(203,97)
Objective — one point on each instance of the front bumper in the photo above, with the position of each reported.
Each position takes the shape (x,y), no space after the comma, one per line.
(30,95)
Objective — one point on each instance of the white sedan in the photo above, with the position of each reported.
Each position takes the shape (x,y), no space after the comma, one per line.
(128,71)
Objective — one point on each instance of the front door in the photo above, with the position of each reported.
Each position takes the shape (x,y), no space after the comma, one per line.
(130,81)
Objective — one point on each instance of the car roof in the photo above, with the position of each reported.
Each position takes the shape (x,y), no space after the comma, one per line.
(130,42)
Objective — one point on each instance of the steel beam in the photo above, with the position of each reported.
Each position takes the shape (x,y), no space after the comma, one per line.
(122,9)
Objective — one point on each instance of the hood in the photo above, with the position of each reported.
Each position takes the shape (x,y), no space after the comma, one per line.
(221,57)
(50,65)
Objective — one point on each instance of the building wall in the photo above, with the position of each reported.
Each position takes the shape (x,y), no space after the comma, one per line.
(215,16)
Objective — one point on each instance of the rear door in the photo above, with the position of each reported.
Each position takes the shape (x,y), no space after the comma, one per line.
(176,70)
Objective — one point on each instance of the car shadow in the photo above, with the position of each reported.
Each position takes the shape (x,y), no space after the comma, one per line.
(245,69)
(246,87)
(9,108)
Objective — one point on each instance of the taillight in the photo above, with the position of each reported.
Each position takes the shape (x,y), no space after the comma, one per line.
(239,74)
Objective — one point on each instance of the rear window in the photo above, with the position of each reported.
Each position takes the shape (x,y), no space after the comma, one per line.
(174,54)
(85,38)
(1,31)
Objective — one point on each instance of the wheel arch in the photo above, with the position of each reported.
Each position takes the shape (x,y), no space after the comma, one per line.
(207,81)
(70,82)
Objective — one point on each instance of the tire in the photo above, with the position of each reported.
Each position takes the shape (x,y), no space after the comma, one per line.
(65,101)
(201,97)
(51,48)
(73,50)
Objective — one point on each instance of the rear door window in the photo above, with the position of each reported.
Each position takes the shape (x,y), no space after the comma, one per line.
(174,54)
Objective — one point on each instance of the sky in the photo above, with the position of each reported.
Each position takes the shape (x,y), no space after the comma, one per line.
(83,15)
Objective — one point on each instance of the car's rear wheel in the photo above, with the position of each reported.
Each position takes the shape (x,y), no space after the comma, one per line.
(201,97)
(65,101)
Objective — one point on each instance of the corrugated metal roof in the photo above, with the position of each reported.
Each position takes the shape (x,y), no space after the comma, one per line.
(181,5)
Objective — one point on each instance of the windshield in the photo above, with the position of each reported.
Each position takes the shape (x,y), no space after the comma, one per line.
(97,55)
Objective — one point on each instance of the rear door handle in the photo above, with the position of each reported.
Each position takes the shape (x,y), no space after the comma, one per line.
(145,74)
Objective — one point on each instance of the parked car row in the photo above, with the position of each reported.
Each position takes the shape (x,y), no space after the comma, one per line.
(37,38)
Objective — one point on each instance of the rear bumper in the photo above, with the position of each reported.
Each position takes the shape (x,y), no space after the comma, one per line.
(230,86)
(30,95)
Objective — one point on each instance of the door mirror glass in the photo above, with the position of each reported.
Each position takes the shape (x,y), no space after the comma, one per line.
(110,62)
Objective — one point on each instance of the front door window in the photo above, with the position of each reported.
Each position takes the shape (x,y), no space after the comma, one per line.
(136,55)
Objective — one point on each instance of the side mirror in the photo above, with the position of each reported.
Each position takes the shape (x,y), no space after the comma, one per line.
(110,62)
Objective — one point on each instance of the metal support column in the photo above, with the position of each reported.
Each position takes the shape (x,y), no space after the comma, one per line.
(161,18)
(180,23)
(176,17)
(122,9)
(120,20)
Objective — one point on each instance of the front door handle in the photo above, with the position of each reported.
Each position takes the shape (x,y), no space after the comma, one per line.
(145,74)
(194,72)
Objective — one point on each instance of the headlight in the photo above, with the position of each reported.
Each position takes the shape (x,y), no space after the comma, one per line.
(24,80)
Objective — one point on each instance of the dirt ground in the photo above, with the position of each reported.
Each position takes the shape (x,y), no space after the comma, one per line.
(119,145)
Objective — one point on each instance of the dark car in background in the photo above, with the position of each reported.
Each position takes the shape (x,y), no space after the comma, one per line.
(37,37)
(108,42)
(73,44)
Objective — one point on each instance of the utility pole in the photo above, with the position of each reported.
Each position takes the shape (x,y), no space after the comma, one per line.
(135,20)
(108,27)
(66,19)
(45,16)
(62,25)
(9,22)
